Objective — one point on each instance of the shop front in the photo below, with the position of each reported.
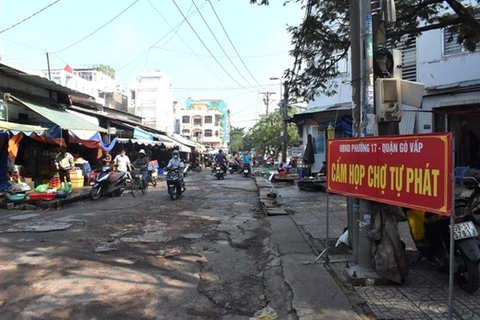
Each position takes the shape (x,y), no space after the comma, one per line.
(34,152)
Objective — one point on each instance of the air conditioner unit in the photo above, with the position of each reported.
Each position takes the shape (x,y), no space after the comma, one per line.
(388,99)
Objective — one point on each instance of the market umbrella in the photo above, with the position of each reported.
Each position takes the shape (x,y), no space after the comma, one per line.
(309,154)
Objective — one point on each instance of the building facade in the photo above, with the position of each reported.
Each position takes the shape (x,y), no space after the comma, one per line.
(151,98)
(451,98)
(206,121)
(97,81)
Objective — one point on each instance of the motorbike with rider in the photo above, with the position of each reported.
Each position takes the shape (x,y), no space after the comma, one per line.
(175,169)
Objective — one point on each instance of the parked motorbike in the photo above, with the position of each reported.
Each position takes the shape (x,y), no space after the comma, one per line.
(431,234)
(195,166)
(108,183)
(218,171)
(470,193)
(175,183)
(151,179)
(246,169)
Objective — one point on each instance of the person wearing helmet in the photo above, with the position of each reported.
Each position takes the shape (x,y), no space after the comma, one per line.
(220,159)
(176,162)
(142,164)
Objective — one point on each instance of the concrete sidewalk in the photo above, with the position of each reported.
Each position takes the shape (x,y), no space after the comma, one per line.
(316,295)
(423,296)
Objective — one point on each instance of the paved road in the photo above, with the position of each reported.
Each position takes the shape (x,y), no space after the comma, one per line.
(148,257)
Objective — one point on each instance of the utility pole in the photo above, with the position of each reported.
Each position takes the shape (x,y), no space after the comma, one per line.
(353,205)
(48,66)
(266,98)
(284,112)
(367,127)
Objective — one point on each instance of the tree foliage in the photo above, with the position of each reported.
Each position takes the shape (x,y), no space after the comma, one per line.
(323,38)
(236,139)
(266,134)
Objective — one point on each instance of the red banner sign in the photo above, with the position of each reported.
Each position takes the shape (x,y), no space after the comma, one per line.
(413,171)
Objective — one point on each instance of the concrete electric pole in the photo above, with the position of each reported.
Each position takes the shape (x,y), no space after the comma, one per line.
(353,205)
(284,112)
(366,127)
(266,98)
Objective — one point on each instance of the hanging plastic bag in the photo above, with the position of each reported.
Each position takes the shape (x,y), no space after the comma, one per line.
(265,314)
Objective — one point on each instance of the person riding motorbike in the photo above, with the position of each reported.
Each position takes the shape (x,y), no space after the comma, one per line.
(142,164)
(246,160)
(220,159)
(234,163)
(176,162)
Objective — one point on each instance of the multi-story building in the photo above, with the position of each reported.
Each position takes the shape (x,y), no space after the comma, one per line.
(151,98)
(450,103)
(205,121)
(97,81)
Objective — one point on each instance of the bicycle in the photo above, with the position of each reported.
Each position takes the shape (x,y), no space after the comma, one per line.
(136,183)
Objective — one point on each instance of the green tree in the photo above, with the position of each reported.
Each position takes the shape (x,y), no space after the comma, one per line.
(236,139)
(322,39)
(266,134)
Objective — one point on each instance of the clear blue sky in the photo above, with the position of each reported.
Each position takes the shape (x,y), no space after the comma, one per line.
(258,33)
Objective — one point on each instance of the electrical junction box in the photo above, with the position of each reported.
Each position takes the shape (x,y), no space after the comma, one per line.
(392,93)
(388,99)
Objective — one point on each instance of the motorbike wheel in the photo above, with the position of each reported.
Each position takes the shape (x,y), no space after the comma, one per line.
(96,193)
(198,169)
(154,182)
(475,211)
(467,275)
(173,193)
(119,192)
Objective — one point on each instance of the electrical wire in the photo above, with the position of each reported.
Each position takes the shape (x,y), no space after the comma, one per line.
(225,57)
(220,45)
(29,17)
(182,22)
(188,46)
(22,44)
(95,31)
(231,42)
(206,47)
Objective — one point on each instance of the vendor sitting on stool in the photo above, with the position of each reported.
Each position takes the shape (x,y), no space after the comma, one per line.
(283,167)
(64,162)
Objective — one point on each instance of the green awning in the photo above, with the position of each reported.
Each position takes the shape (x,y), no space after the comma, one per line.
(12,126)
(61,118)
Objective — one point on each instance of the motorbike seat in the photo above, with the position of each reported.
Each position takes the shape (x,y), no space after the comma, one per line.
(116,176)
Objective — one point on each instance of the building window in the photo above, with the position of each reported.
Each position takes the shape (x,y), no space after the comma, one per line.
(197,133)
(217,119)
(451,45)
(208,119)
(186,132)
(185,119)
(208,133)
(217,133)
(197,121)
(409,61)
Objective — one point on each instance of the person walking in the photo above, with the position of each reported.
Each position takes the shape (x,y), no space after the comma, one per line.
(64,162)
(122,162)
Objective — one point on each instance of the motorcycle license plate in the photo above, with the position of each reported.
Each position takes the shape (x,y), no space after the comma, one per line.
(464,230)
(246,171)
(218,169)
(466,193)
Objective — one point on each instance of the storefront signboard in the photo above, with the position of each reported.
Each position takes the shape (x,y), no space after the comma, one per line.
(412,171)
(142,134)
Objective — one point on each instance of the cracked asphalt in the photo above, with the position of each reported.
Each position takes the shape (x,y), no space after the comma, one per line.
(207,255)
